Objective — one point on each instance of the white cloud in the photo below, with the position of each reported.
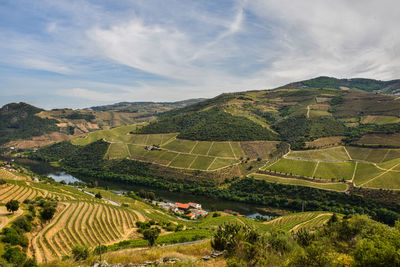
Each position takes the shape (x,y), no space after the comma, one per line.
(200,49)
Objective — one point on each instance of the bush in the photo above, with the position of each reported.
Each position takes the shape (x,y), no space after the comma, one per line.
(13,237)
(30,263)
(23,223)
(47,213)
(15,256)
(80,253)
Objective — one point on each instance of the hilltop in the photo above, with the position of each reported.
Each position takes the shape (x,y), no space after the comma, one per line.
(368,85)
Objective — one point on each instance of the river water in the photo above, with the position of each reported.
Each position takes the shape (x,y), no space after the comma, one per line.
(210,204)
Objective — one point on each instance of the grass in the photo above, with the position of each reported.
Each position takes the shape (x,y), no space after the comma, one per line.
(221,163)
(381,139)
(320,113)
(296,221)
(182,161)
(221,149)
(117,150)
(368,154)
(380,119)
(389,164)
(237,150)
(335,171)
(328,154)
(340,187)
(180,145)
(365,172)
(202,148)
(104,134)
(202,162)
(389,180)
(294,167)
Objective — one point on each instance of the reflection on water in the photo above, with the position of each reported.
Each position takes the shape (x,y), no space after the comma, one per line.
(210,204)
(63,176)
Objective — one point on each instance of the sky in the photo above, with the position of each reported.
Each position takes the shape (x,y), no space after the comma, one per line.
(81,53)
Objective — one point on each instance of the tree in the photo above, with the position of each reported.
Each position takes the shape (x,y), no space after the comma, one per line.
(80,253)
(47,213)
(151,235)
(12,205)
(98,195)
(30,263)
(14,255)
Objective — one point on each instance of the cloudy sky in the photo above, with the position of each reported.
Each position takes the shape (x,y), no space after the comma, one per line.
(76,53)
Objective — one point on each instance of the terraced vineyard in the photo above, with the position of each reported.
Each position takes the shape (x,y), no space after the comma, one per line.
(340,187)
(83,223)
(366,167)
(185,154)
(303,220)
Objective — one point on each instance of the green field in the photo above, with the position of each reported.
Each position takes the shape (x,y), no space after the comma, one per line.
(369,154)
(293,167)
(105,134)
(221,149)
(180,145)
(335,171)
(117,150)
(328,154)
(178,153)
(388,180)
(380,119)
(220,163)
(365,172)
(341,187)
(297,221)
(202,148)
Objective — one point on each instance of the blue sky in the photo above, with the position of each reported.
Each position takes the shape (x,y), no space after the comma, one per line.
(77,53)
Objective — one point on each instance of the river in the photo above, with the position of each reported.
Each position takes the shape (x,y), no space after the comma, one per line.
(210,204)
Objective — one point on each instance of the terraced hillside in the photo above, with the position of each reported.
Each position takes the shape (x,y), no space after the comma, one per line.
(167,150)
(301,220)
(363,167)
(81,219)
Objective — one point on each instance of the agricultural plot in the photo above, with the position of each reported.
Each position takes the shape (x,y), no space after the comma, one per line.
(179,153)
(294,167)
(325,141)
(219,163)
(105,134)
(365,172)
(335,171)
(202,162)
(340,187)
(371,154)
(180,145)
(117,151)
(380,119)
(298,221)
(221,149)
(85,224)
(380,139)
(327,154)
(182,161)
(387,180)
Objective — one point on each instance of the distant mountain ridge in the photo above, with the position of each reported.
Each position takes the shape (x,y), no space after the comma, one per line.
(368,85)
(134,106)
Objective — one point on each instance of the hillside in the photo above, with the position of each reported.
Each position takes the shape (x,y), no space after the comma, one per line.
(19,121)
(274,114)
(148,107)
(25,126)
(368,85)
(83,226)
